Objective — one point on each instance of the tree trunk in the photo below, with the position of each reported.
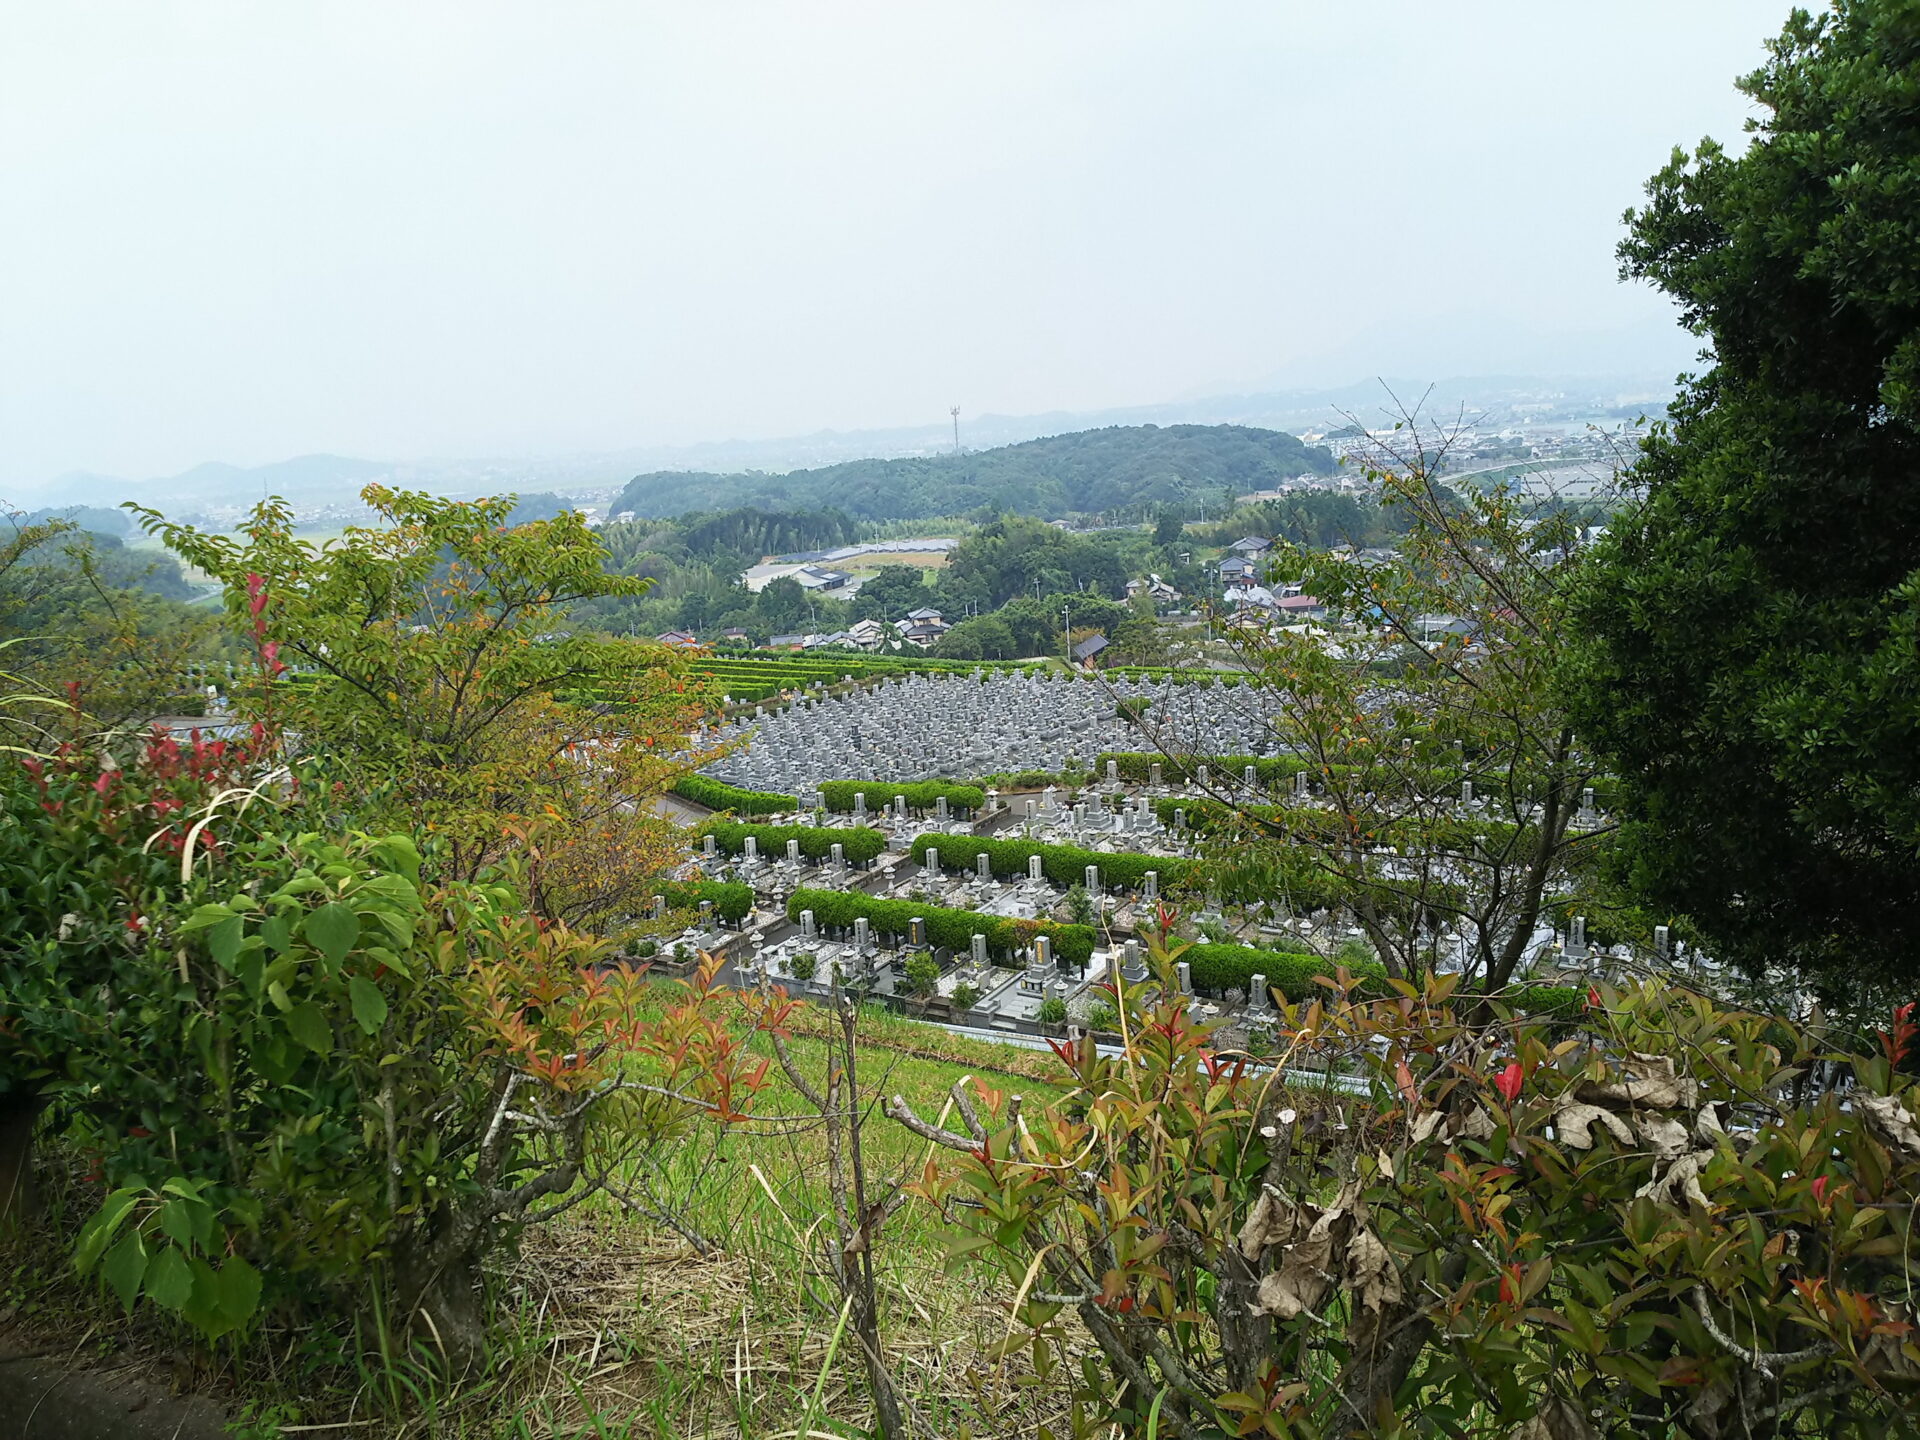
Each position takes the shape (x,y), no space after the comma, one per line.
(440,1297)
(19,1196)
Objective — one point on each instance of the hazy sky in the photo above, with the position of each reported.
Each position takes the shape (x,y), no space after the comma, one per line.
(406,229)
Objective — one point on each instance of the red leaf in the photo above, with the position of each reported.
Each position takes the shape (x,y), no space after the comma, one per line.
(1509,1081)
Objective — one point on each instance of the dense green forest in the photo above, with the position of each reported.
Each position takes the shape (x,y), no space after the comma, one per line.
(1084,473)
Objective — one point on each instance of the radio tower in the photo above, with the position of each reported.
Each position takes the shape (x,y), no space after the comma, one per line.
(955,412)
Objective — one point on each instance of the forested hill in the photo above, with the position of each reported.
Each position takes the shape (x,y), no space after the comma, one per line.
(1086,472)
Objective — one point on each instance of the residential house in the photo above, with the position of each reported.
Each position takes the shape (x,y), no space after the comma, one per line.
(1089,649)
(819,577)
(1161,592)
(679,639)
(867,634)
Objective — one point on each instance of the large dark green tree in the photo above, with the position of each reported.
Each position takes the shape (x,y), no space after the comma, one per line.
(1751,655)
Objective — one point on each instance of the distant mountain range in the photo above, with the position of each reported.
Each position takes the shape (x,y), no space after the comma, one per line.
(337,479)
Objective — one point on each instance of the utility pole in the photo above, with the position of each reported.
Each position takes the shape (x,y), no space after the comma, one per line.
(1066,635)
(955,412)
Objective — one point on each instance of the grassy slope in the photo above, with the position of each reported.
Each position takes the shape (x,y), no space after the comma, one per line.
(615,1326)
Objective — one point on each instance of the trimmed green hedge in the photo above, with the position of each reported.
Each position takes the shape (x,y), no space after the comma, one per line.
(921,794)
(718,795)
(862,842)
(1062,864)
(730,902)
(948,928)
(1216,969)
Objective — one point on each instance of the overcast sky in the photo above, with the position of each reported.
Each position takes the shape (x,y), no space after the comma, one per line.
(405,229)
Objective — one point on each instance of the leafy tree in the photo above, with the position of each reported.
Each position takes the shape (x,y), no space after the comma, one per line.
(1015,555)
(1748,660)
(80,612)
(892,593)
(782,606)
(984,637)
(430,681)
(1167,527)
(1438,811)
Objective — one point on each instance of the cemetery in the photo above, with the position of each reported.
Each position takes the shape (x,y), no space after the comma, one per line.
(961,727)
(1005,912)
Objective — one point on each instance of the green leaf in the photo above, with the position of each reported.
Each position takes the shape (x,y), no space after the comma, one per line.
(170,1279)
(307,1023)
(204,917)
(126,1266)
(176,1218)
(399,853)
(203,1305)
(237,1288)
(277,933)
(100,1229)
(332,929)
(224,941)
(369,1005)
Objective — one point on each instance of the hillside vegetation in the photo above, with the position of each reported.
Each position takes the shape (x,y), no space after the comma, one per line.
(1087,472)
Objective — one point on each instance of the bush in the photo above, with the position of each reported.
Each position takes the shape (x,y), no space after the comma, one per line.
(731,902)
(802,963)
(922,795)
(1217,969)
(1102,1017)
(718,795)
(923,974)
(288,1067)
(964,996)
(860,843)
(1064,865)
(1053,1011)
(948,928)
(1772,1256)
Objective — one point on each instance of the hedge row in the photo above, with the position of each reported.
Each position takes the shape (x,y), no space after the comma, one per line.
(921,794)
(861,842)
(947,928)
(731,902)
(718,795)
(1062,864)
(1216,969)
